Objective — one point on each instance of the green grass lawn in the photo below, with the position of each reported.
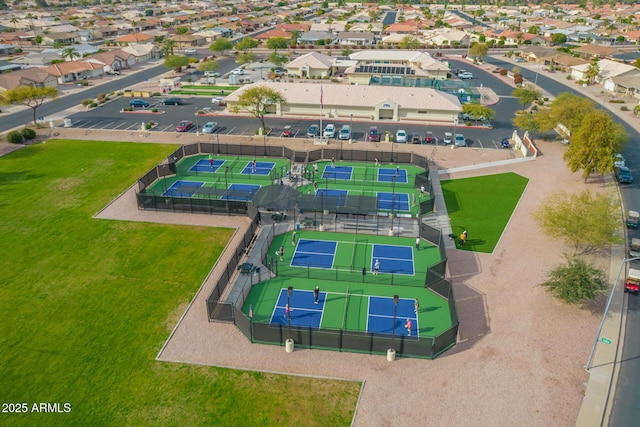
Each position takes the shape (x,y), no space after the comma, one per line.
(87,303)
(483,206)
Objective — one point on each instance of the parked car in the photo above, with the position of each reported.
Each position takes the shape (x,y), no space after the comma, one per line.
(112,72)
(618,160)
(448,138)
(469,116)
(210,127)
(138,103)
(238,72)
(184,126)
(345,132)
(190,51)
(373,134)
(401,136)
(430,139)
(465,76)
(172,101)
(211,74)
(460,140)
(415,138)
(218,101)
(280,71)
(313,131)
(520,59)
(623,175)
(329,131)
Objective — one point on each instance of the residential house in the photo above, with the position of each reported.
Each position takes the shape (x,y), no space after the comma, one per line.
(38,59)
(105,33)
(312,64)
(188,40)
(64,39)
(209,35)
(627,84)
(36,77)
(591,51)
(562,61)
(134,38)
(273,33)
(71,71)
(143,51)
(334,27)
(356,38)
(607,69)
(317,37)
(116,59)
(447,37)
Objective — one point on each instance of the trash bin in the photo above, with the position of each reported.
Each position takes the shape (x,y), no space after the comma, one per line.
(289,345)
(391,355)
(297,226)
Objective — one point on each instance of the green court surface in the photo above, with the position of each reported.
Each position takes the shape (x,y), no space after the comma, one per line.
(346,305)
(365,179)
(220,177)
(483,206)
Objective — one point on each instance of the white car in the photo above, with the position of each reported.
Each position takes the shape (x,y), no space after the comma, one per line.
(401,136)
(238,72)
(460,140)
(209,127)
(329,131)
(465,76)
(217,100)
(448,138)
(190,51)
(618,161)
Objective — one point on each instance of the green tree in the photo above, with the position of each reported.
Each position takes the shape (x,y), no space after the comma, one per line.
(275,43)
(479,111)
(534,29)
(168,46)
(30,96)
(526,96)
(594,143)
(567,109)
(175,61)
(277,59)
(245,57)
(210,65)
(592,71)
(576,282)
(346,51)
(182,30)
(256,100)
(558,38)
(478,50)
(246,44)
(637,63)
(409,42)
(526,121)
(220,45)
(585,221)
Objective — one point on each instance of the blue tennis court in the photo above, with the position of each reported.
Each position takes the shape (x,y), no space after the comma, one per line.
(387,174)
(203,165)
(393,201)
(183,188)
(314,253)
(261,168)
(333,197)
(393,259)
(240,192)
(303,311)
(337,172)
(380,317)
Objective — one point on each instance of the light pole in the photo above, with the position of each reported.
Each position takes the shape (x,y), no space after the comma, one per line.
(455,124)
(396,298)
(226,184)
(606,309)
(289,292)
(537,71)
(197,127)
(264,142)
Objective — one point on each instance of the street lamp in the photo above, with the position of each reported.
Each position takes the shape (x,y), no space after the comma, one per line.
(455,124)
(264,142)
(197,127)
(289,292)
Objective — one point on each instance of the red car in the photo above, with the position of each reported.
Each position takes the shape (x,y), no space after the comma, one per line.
(184,126)
(429,138)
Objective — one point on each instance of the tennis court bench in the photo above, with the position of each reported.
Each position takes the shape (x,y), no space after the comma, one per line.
(360,225)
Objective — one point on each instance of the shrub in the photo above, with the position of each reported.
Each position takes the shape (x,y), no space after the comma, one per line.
(503,71)
(101,95)
(540,102)
(617,101)
(624,108)
(85,83)
(154,110)
(546,99)
(93,105)
(28,133)
(85,102)
(569,77)
(148,126)
(14,137)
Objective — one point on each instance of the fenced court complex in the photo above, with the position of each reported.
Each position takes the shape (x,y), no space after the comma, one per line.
(347,226)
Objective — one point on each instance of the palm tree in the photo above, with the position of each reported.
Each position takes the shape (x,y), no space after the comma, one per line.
(167,46)
(30,18)
(69,53)
(592,71)
(14,21)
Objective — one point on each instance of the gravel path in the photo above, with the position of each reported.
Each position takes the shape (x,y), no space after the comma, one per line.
(521,353)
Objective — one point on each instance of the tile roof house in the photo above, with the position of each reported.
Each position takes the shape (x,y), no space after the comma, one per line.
(134,38)
(590,51)
(606,67)
(63,38)
(37,77)
(356,38)
(143,51)
(627,84)
(312,64)
(70,71)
